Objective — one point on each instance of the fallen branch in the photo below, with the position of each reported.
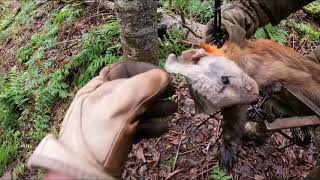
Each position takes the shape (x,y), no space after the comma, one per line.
(207,170)
(192,31)
(170,175)
(178,150)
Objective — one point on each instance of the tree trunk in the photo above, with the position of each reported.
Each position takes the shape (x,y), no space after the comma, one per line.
(138,29)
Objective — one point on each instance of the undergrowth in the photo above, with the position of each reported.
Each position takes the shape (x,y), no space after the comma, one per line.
(275,33)
(32,87)
(199,10)
(307,30)
(10,23)
(313,9)
(172,43)
(218,174)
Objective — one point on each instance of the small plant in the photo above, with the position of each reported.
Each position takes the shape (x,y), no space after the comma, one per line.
(218,174)
(171,43)
(201,10)
(271,32)
(313,9)
(98,51)
(307,30)
(27,95)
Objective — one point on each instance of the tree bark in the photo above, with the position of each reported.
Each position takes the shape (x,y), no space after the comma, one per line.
(138,29)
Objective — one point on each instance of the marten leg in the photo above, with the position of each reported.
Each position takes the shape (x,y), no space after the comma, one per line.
(233,122)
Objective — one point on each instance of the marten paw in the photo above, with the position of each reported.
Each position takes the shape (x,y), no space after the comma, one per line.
(227,157)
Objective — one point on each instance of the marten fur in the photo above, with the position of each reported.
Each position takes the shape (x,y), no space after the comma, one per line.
(267,62)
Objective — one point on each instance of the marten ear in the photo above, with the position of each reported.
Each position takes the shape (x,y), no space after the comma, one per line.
(192,56)
(211,50)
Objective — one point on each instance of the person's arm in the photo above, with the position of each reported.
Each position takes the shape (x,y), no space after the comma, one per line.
(241,18)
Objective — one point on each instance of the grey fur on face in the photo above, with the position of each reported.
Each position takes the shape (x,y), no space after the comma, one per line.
(214,82)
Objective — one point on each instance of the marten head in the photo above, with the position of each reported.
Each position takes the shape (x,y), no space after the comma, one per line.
(214,81)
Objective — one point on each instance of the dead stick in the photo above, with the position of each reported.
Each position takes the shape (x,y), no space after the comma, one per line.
(177,153)
(192,31)
(173,174)
(243,174)
(203,172)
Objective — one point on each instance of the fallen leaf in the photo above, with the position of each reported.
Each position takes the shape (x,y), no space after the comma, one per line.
(140,155)
(258,177)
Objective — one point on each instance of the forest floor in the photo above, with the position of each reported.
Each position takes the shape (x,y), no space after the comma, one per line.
(188,150)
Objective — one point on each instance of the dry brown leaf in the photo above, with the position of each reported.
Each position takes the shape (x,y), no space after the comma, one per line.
(140,155)
(170,175)
(258,177)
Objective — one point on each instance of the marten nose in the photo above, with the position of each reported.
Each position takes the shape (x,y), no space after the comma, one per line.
(254,99)
(253,94)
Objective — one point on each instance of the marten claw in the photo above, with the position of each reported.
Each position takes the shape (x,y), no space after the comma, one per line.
(227,157)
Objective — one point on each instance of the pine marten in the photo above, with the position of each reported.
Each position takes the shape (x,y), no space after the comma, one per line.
(265,61)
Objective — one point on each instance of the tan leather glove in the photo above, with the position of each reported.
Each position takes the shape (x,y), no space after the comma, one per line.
(107,115)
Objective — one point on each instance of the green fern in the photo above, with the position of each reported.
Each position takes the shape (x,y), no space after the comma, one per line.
(18,170)
(10,142)
(271,32)
(28,94)
(313,8)
(201,10)
(308,30)
(218,174)
(98,51)
(171,43)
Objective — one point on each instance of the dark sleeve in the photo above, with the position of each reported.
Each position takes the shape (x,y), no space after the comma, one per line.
(280,9)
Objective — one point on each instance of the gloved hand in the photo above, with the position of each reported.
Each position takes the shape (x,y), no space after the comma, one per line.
(239,20)
(114,110)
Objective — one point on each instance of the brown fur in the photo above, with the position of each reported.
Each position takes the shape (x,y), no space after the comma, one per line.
(266,62)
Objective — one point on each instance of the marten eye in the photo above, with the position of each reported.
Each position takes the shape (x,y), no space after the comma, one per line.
(225,80)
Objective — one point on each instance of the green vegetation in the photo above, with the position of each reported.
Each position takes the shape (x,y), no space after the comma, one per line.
(313,9)
(275,33)
(307,30)
(218,174)
(30,90)
(10,23)
(198,10)
(32,87)
(101,47)
(172,43)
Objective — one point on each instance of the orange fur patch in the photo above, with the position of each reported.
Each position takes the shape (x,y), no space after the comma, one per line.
(212,50)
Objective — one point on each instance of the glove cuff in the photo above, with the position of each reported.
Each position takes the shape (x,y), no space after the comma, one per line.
(51,154)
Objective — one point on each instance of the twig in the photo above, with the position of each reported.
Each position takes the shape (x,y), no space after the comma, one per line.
(192,31)
(170,175)
(190,151)
(177,153)
(189,43)
(211,116)
(67,41)
(158,140)
(203,172)
(243,174)
(185,111)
